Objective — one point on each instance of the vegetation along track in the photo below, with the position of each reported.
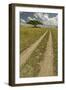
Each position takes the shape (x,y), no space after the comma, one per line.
(47,65)
(26,53)
(32,67)
(38,64)
(55,49)
(29,35)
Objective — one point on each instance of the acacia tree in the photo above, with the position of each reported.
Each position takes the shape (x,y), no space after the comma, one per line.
(34,22)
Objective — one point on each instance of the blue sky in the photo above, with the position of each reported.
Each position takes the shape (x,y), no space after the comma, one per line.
(45,18)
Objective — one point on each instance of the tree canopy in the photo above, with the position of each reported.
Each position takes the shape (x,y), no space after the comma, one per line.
(34,22)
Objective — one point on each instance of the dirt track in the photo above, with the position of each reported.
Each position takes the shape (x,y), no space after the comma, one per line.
(26,53)
(47,68)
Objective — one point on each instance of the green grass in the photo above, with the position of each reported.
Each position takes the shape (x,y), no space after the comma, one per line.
(55,49)
(31,68)
(28,36)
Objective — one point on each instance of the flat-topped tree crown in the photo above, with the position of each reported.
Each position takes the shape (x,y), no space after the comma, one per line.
(34,22)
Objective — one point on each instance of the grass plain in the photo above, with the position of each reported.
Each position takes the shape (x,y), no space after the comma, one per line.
(29,35)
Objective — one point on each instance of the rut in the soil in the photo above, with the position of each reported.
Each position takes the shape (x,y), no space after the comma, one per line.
(26,53)
(47,67)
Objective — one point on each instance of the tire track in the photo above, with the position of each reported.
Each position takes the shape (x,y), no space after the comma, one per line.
(47,68)
(26,53)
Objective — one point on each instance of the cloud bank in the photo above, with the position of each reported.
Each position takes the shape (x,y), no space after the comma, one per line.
(46,20)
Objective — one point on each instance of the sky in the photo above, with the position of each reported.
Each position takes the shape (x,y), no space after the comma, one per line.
(50,19)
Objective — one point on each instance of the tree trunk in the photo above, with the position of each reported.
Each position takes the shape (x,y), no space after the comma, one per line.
(35,26)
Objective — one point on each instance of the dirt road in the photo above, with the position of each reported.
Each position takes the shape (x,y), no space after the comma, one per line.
(26,53)
(47,68)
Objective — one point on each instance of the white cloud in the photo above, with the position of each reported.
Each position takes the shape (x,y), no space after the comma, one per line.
(22,20)
(46,16)
(54,20)
(41,16)
(46,19)
(38,15)
(29,18)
